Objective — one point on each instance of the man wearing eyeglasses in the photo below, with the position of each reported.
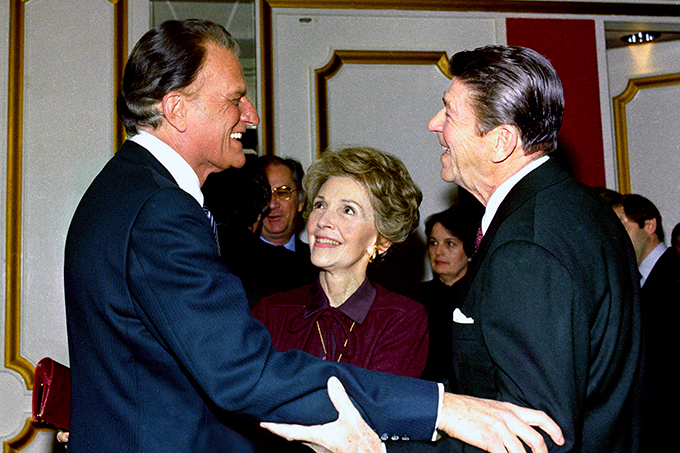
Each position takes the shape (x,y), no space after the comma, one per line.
(287,202)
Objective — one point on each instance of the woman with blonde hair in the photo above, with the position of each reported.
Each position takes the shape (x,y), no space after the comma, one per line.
(361,202)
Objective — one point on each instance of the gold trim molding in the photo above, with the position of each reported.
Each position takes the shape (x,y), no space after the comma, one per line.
(581,8)
(638,8)
(13,359)
(24,438)
(620,126)
(340,57)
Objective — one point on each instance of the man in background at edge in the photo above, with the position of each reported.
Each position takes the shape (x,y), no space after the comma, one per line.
(162,346)
(550,318)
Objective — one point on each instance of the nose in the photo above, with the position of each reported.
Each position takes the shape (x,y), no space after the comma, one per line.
(325,219)
(273,202)
(436,123)
(438,249)
(249,113)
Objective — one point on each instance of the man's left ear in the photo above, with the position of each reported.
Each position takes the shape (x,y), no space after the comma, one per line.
(505,139)
(650,226)
(174,109)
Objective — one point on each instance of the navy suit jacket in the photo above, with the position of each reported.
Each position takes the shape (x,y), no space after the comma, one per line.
(162,346)
(552,299)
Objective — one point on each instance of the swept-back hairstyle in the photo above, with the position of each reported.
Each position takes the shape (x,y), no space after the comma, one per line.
(167,58)
(640,209)
(515,86)
(394,196)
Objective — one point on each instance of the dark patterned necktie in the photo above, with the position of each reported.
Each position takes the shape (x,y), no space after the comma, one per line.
(478,238)
(213,225)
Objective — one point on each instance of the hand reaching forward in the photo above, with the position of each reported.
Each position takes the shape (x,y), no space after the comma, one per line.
(491,425)
(496,426)
(348,434)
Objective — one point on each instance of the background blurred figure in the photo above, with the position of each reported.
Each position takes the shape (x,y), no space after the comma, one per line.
(675,238)
(281,225)
(361,202)
(450,244)
(612,197)
(642,221)
(239,199)
(660,279)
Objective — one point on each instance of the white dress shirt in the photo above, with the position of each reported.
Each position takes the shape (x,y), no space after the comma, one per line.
(650,260)
(499,195)
(184,175)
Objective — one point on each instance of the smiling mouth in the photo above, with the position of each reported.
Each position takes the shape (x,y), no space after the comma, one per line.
(236,136)
(326,241)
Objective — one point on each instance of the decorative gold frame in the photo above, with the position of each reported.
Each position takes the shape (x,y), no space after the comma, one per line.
(340,57)
(580,8)
(620,127)
(13,359)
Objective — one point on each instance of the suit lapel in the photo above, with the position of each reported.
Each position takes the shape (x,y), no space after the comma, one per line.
(539,179)
(141,156)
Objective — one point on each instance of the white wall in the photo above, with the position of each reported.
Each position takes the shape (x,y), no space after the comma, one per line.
(653,124)
(68,135)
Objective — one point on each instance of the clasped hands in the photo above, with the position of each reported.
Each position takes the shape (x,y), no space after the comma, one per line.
(491,425)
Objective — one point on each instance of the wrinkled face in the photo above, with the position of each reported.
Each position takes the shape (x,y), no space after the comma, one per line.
(219,111)
(454,125)
(341,226)
(447,256)
(281,222)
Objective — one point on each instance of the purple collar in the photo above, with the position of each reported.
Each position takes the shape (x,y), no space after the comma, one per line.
(355,308)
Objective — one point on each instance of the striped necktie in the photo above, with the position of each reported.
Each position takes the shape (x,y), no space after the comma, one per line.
(213,225)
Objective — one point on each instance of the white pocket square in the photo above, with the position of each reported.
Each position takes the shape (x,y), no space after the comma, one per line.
(460,318)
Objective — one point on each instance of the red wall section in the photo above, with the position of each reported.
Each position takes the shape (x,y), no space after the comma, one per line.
(571,48)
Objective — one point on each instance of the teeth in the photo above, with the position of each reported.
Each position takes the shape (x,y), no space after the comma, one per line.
(445,149)
(327,241)
(236,135)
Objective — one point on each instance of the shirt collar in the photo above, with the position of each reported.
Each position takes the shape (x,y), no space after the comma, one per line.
(650,260)
(290,245)
(179,168)
(355,308)
(499,195)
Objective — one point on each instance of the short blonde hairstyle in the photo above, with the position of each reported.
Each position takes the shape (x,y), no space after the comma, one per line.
(394,196)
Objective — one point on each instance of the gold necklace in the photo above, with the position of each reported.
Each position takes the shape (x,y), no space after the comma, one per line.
(323,344)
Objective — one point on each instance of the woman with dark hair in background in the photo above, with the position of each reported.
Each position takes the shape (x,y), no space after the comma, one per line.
(450,245)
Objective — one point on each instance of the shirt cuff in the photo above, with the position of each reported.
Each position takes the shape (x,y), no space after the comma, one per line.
(440,407)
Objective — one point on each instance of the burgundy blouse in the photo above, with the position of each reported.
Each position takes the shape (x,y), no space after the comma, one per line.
(374,329)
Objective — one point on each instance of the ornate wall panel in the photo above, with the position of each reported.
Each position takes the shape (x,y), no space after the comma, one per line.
(63,58)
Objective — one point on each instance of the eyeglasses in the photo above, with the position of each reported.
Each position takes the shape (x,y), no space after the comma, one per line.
(283,193)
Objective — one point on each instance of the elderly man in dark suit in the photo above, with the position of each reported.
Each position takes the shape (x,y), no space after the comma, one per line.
(163,350)
(550,318)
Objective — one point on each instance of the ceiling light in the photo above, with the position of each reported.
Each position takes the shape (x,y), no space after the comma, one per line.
(640,37)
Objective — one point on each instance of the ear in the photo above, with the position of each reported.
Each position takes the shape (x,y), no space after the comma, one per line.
(174,109)
(504,141)
(650,226)
(382,245)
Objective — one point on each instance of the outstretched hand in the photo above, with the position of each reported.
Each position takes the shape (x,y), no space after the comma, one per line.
(496,426)
(493,426)
(348,434)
